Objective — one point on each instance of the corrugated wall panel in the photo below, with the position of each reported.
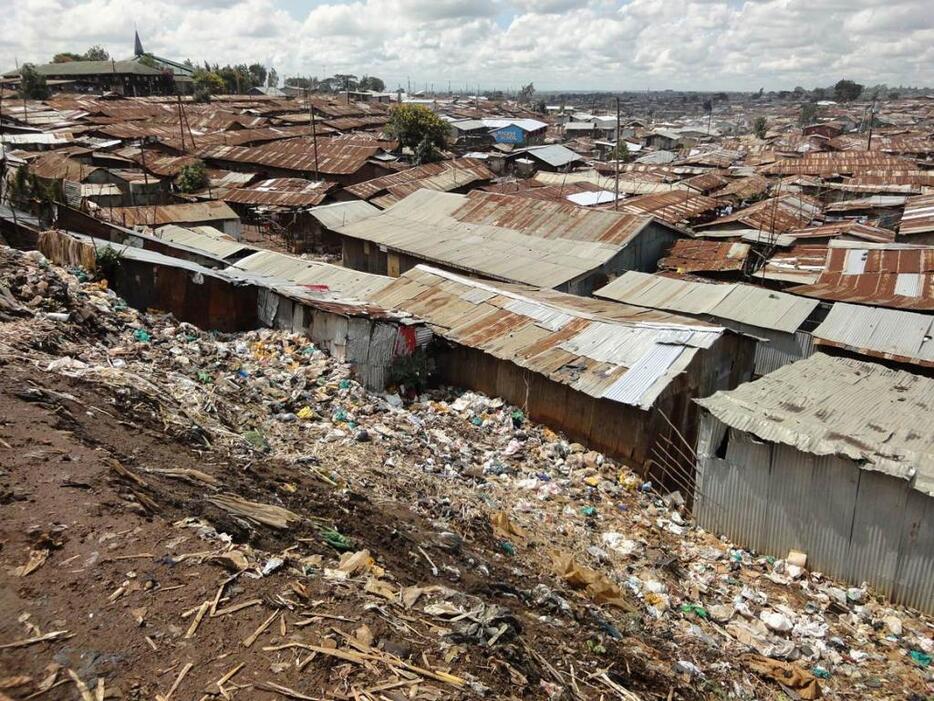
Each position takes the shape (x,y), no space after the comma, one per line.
(831,501)
(877,527)
(914,582)
(792,503)
(742,490)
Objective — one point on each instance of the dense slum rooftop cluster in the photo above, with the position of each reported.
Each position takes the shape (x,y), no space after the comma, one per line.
(740,312)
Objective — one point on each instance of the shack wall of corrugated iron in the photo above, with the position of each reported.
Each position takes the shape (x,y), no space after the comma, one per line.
(857,525)
(781,349)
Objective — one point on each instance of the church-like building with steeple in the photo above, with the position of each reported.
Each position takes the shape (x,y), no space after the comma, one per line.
(182,72)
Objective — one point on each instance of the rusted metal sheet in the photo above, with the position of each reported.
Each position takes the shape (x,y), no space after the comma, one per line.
(675,207)
(282,192)
(776,214)
(462,171)
(833,163)
(850,229)
(918,217)
(602,349)
(901,277)
(212,210)
(334,157)
(698,255)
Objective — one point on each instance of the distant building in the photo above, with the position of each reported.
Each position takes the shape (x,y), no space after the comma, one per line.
(129,78)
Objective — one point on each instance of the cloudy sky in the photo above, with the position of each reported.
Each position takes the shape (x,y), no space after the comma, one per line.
(587,44)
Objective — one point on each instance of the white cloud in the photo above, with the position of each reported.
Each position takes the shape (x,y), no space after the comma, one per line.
(608,44)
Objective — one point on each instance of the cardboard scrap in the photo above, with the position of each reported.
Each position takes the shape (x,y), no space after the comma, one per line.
(597,586)
(786,674)
(504,528)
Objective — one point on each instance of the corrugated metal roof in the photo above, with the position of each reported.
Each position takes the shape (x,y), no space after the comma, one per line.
(203,238)
(744,188)
(918,217)
(878,417)
(342,281)
(438,227)
(874,202)
(332,216)
(698,255)
(210,210)
(801,264)
(282,192)
(837,163)
(885,275)
(849,228)
(776,214)
(463,171)
(744,304)
(886,333)
(602,349)
(675,207)
(335,156)
(555,155)
(549,219)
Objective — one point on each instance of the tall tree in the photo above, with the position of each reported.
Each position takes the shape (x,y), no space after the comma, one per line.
(206,83)
(272,78)
(345,81)
(759,127)
(96,53)
(414,124)
(32,85)
(808,114)
(526,94)
(257,73)
(846,91)
(67,57)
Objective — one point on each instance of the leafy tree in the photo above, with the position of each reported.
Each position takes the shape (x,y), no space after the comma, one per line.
(192,177)
(67,57)
(345,81)
(371,83)
(96,53)
(32,85)
(759,127)
(525,94)
(894,94)
(541,107)
(620,152)
(414,124)
(206,83)
(426,152)
(846,91)
(257,73)
(708,106)
(272,78)
(820,93)
(808,114)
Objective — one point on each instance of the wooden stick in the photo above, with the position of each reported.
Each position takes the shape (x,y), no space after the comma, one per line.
(249,640)
(178,681)
(38,639)
(237,607)
(82,687)
(198,616)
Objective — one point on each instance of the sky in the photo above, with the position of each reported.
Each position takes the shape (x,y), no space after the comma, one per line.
(503,44)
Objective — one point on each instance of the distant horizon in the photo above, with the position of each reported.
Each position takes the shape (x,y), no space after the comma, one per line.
(600,45)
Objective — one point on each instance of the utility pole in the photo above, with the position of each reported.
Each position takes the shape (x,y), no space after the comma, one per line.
(181,123)
(616,201)
(872,111)
(314,134)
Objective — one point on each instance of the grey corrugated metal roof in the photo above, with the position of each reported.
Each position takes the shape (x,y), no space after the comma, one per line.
(554,155)
(342,281)
(886,333)
(203,238)
(422,225)
(745,304)
(338,214)
(878,417)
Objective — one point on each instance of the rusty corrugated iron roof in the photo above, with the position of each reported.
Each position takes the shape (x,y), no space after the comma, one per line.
(849,228)
(603,349)
(674,207)
(698,255)
(837,163)
(334,157)
(918,217)
(464,171)
(884,275)
(210,210)
(282,192)
(776,214)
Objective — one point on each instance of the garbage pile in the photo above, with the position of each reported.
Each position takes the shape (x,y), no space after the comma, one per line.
(612,559)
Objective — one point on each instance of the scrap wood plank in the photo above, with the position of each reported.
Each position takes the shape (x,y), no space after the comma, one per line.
(250,639)
(285,691)
(267,514)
